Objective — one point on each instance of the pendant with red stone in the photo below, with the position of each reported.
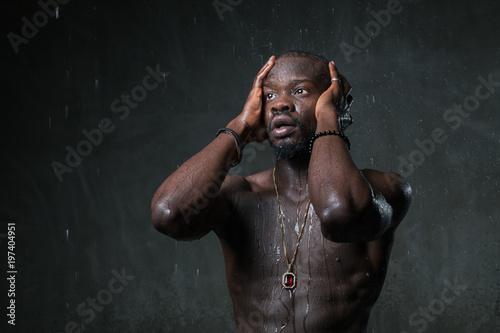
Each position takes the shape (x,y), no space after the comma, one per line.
(289,280)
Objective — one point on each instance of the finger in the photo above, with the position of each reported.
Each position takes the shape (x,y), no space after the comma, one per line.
(334,76)
(257,82)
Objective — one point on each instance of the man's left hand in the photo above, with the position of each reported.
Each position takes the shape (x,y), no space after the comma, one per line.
(336,98)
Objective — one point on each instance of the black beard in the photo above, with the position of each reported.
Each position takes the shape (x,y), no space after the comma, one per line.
(291,150)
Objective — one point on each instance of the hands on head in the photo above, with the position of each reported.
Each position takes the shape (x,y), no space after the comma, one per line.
(252,111)
(335,98)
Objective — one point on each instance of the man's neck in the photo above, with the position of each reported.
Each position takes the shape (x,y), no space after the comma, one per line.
(291,177)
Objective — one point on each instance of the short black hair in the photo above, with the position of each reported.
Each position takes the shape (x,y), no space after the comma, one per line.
(305,54)
(323,70)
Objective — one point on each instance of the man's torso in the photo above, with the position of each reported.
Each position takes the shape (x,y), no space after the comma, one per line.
(337,283)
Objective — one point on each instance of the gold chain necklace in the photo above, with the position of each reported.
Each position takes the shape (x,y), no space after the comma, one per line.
(289,280)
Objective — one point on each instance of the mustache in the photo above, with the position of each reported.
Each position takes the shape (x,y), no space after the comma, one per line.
(286,113)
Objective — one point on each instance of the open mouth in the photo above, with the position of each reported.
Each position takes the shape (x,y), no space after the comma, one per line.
(282,126)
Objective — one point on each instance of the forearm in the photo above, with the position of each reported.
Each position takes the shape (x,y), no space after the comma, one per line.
(344,200)
(181,203)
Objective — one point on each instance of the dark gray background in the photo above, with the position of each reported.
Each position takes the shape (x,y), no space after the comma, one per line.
(72,234)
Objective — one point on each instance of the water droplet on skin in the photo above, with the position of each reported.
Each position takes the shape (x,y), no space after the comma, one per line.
(367,274)
(337,259)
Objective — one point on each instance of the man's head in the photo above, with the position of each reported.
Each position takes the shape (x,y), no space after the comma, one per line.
(291,90)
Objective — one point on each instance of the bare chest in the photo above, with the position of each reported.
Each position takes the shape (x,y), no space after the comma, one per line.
(333,280)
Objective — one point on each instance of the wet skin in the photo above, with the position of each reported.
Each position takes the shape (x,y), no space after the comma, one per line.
(344,251)
(337,283)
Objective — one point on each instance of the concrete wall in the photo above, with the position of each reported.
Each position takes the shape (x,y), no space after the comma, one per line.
(422,108)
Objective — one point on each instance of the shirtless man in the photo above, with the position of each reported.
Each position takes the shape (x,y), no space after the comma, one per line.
(318,262)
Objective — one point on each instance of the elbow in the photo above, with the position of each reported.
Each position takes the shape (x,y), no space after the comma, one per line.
(346,224)
(334,221)
(168,221)
(338,213)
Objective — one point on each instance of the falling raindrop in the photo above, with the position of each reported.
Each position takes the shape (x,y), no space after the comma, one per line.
(57,13)
(50,123)
(67,235)
(197,272)
(66,111)
(96,84)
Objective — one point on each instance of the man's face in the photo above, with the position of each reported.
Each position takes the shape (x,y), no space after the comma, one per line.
(291,91)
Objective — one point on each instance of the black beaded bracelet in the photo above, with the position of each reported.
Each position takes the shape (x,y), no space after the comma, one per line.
(320,134)
(236,138)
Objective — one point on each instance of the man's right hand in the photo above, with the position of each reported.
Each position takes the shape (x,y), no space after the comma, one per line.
(251,116)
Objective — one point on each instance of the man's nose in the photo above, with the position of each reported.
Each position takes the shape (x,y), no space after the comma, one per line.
(282,105)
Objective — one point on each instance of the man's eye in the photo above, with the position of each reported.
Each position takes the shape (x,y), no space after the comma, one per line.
(269,95)
(300,91)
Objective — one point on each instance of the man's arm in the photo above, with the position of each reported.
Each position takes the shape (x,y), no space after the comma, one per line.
(193,200)
(353,206)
